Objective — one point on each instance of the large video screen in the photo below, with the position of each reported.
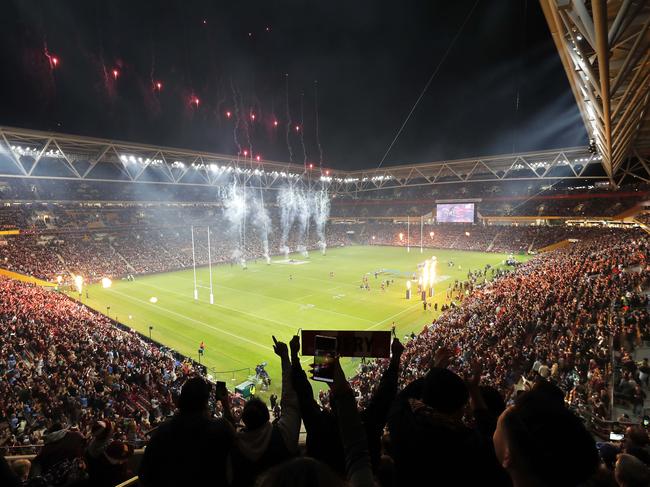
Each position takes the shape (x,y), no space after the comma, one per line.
(455,213)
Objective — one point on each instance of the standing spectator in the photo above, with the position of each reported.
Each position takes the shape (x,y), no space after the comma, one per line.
(191,448)
(262,444)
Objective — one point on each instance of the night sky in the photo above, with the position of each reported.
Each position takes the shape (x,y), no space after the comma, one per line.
(501,89)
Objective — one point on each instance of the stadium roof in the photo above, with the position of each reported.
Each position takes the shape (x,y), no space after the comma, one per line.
(35,154)
(605,50)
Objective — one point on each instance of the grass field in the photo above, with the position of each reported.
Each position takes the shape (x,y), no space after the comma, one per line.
(251,305)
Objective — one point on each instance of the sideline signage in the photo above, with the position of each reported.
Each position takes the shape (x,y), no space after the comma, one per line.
(351,343)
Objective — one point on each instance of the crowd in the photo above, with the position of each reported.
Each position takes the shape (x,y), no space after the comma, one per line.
(428,430)
(115,254)
(153,247)
(64,364)
(490,238)
(491,200)
(503,381)
(552,318)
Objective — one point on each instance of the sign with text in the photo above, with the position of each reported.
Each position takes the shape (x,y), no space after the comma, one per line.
(351,343)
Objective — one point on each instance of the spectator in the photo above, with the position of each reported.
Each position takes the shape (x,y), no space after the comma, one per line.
(261,444)
(60,461)
(7,475)
(541,443)
(111,466)
(631,472)
(426,429)
(191,448)
(21,468)
(300,472)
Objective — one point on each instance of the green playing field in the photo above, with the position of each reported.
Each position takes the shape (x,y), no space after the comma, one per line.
(253,304)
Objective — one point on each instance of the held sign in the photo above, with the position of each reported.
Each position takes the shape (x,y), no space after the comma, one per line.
(351,343)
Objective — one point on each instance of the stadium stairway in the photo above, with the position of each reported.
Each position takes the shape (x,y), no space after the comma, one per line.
(641,352)
(556,245)
(631,212)
(126,262)
(532,244)
(489,248)
(172,257)
(645,227)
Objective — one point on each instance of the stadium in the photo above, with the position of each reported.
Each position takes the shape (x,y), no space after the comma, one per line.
(177,308)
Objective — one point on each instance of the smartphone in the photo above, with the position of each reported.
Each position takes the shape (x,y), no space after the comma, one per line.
(646,421)
(324,353)
(616,436)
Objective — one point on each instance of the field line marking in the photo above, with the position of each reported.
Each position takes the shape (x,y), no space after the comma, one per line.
(395,315)
(291,327)
(187,340)
(265,347)
(282,300)
(314,279)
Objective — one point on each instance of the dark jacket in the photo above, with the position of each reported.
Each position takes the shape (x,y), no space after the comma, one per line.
(189,449)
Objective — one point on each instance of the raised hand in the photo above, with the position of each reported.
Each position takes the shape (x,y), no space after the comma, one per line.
(280,348)
(442,357)
(473,379)
(340,384)
(294,345)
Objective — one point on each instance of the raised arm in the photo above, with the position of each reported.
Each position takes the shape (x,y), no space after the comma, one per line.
(309,409)
(375,415)
(353,436)
(289,422)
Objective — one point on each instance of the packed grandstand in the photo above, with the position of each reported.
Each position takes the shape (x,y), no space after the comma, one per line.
(571,317)
(473,321)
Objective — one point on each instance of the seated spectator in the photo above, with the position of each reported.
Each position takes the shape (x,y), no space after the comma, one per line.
(191,448)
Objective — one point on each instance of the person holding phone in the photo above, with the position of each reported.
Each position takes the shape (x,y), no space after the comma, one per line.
(323,442)
(351,430)
(325,349)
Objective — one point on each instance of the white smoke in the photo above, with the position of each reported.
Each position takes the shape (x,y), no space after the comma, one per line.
(240,207)
(234,210)
(288,208)
(261,222)
(321,214)
(301,207)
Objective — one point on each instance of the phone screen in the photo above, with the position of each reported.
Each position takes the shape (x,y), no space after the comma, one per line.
(324,353)
(615,436)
